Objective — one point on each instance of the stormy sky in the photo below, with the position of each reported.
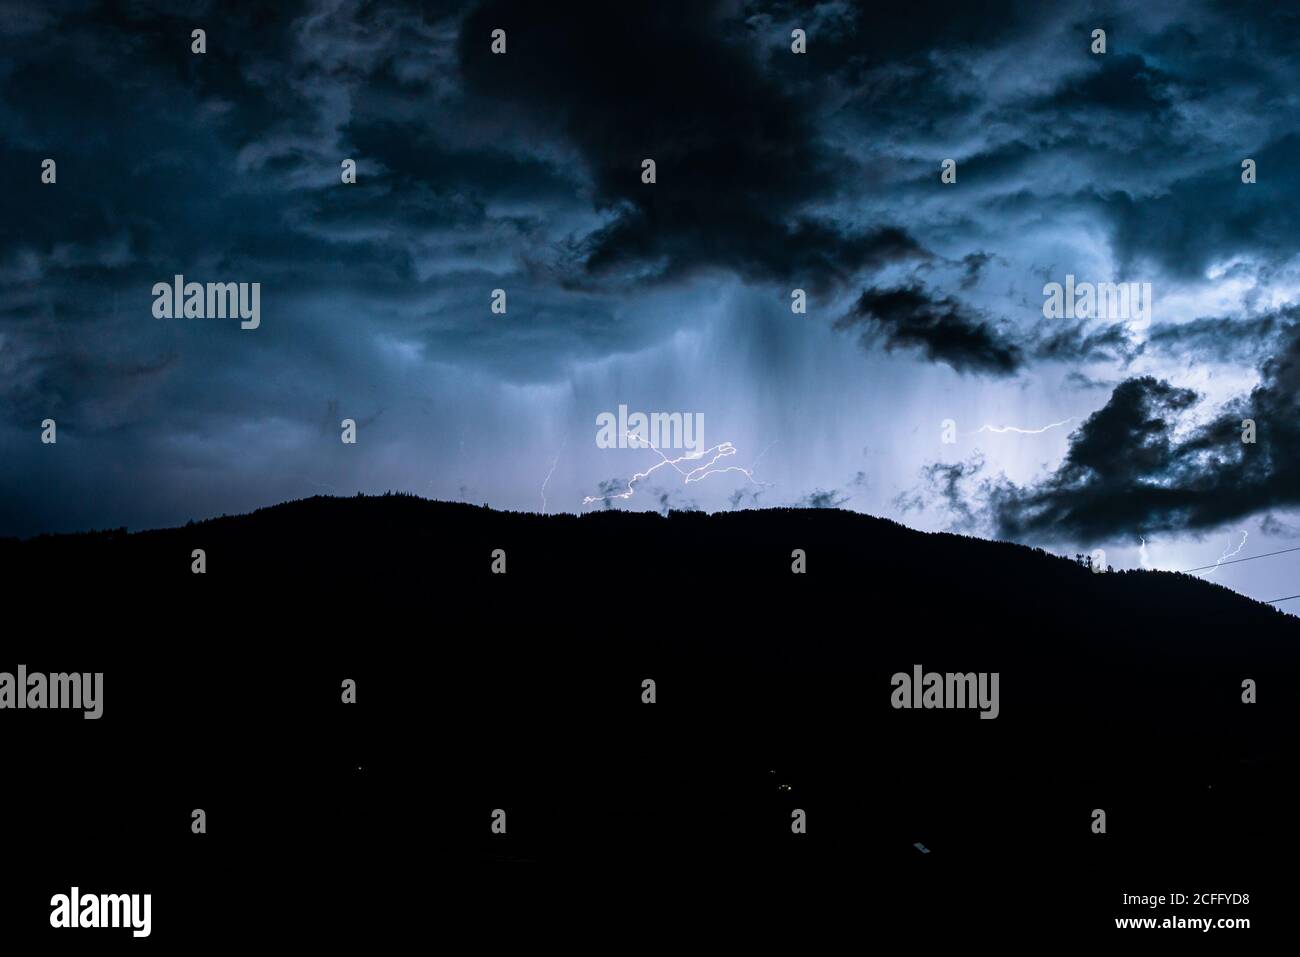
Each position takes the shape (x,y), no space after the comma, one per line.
(775,171)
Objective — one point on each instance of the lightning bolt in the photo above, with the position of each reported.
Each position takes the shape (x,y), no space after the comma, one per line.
(550,473)
(1227,554)
(696,474)
(1002,429)
(1143,559)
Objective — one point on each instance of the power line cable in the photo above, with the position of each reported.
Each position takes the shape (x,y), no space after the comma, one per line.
(1235,560)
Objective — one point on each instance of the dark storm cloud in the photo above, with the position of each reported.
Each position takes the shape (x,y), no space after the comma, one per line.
(1216,97)
(1131,468)
(473,172)
(1210,339)
(523,172)
(945,329)
(1223,338)
(744,497)
(1271,525)
(474,167)
(1122,82)
(1084,341)
(823,498)
(1081,381)
(1212,216)
(973,265)
(946,483)
(859,33)
(1148,461)
(1147,137)
(225,166)
(739,159)
(1116,476)
(940,327)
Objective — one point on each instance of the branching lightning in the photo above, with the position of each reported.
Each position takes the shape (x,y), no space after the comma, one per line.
(1228,554)
(719,452)
(1002,429)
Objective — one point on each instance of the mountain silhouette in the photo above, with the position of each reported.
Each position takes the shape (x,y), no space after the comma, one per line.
(935,580)
(523,691)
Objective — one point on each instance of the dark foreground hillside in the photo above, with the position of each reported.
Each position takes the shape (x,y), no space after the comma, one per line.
(523,692)
(377,542)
